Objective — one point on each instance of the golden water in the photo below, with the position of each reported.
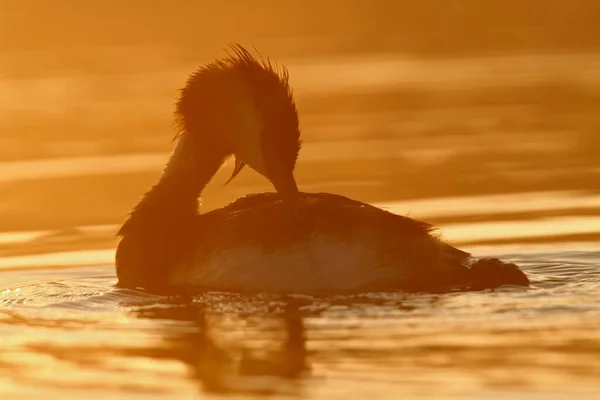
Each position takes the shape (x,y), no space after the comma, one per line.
(499,150)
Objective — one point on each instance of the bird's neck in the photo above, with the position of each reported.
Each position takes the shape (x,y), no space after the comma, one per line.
(173,200)
(161,229)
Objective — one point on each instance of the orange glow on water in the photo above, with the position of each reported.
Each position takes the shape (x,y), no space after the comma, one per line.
(480,117)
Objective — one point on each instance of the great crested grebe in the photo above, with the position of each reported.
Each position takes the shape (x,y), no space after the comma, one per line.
(274,242)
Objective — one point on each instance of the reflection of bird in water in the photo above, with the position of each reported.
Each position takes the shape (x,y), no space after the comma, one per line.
(277,242)
(290,361)
(221,368)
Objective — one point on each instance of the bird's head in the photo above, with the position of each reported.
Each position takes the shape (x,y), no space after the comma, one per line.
(243,106)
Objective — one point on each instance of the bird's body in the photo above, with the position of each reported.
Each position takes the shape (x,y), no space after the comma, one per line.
(254,245)
(274,242)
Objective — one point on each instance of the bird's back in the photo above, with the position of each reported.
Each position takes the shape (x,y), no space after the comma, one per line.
(256,244)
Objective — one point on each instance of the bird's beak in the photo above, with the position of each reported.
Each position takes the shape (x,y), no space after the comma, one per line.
(282,179)
(284,183)
(239,165)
